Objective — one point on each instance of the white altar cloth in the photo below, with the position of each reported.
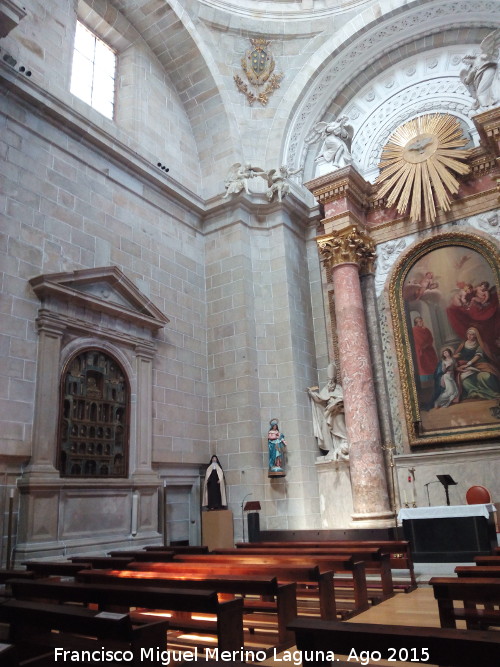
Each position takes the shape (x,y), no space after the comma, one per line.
(443,511)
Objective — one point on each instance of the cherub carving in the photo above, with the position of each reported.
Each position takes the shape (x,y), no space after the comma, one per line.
(481,77)
(238,176)
(276,181)
(337,138)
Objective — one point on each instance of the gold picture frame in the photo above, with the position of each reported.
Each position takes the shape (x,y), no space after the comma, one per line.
(446,315)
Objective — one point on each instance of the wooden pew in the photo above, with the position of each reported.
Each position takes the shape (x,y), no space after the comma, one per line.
(10,574)
(279,598)
(9,657)
(486,561)
(445,647)
(181,549)
(321,583)
(400,552)
(55,568)
(32,626)
(104,562)
(229,614)
(162,556)
(471,592)
(337,563)
(477,571)
(374,559)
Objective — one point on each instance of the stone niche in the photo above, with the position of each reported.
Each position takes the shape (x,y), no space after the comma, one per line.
(98,309)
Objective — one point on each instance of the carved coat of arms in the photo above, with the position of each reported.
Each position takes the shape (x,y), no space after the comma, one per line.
(258,64)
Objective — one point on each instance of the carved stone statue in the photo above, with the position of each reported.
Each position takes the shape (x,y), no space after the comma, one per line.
(276,181)
(329,419)
(481,76)
(238,176)
(336,147)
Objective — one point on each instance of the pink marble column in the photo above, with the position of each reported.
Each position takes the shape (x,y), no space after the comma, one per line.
(345,253)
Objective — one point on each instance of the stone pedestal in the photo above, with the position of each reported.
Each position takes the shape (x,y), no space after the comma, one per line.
(217,529)
(335,494)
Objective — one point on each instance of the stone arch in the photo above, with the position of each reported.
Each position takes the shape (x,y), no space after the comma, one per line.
(329,80)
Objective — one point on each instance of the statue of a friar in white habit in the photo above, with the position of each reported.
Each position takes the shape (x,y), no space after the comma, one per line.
(329,419)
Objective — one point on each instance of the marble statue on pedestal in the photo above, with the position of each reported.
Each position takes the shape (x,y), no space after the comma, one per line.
(329,419)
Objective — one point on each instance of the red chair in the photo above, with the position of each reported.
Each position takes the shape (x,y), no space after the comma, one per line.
(478,495)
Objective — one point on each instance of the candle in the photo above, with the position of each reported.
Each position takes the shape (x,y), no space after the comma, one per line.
(406,499)
(11,495)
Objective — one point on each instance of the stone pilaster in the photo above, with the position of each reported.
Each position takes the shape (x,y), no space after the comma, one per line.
(141,465)
(50,332)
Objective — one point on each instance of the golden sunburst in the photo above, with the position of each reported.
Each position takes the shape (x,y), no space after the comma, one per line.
(417,162)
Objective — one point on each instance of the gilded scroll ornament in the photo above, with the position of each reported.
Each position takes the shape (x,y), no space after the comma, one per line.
(258,64)
(417,164)
(349,246)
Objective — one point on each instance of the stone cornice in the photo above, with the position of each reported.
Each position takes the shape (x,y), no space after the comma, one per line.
(343,183)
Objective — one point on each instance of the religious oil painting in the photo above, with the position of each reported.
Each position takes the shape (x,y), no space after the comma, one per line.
(444,302)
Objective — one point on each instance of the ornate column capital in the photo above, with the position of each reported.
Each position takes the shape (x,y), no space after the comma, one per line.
(348,246)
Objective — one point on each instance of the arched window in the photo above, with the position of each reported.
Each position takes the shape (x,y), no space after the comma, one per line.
(94,409)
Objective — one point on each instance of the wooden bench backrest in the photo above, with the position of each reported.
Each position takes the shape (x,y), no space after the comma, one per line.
(336,562)
(142,554)
(484,561)
(60,568)
(67,619)
(258,585)
(210,569)
(474,589)
(446,647)
(361,553)
(127,596)
(477,571)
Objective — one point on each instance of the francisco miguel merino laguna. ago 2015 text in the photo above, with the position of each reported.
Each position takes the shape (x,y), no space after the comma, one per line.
(156,655)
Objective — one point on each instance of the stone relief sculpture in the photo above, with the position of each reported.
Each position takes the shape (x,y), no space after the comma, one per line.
(337,138)
(481,76)
(276,181)
(328,416)
(238,176)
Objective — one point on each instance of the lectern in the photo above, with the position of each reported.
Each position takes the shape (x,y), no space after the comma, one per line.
(446,481)
(252,506)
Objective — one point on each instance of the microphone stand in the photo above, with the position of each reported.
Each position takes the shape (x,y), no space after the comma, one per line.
(428,496)
(242,513)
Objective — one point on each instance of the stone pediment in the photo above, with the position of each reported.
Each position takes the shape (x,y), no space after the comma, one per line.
(103,289)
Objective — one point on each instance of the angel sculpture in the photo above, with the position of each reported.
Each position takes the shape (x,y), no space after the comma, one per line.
(481,77)
(276,181)
(237,178)
(337,137)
